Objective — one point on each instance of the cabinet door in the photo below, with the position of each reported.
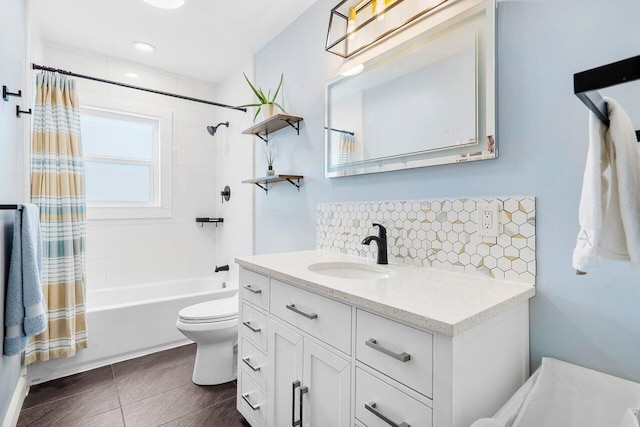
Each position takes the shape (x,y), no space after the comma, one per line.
(327,378)
(285,368)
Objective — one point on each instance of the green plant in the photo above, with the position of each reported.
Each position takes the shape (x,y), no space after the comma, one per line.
(264,99)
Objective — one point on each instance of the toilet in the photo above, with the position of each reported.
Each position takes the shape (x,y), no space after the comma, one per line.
(213,326)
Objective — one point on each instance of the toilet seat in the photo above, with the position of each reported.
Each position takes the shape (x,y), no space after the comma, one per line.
(214,311)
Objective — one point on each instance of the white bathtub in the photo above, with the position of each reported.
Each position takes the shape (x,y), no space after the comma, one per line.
(132,321)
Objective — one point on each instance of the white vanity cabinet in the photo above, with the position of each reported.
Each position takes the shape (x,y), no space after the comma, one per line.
(307,382)
(290,365)
(307,359)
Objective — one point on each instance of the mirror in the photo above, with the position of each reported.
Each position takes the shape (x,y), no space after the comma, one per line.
(427,102)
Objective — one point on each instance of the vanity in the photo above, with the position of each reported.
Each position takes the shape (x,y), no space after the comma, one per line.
(329,340)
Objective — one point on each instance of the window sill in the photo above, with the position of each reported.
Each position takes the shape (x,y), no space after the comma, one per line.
(128,213)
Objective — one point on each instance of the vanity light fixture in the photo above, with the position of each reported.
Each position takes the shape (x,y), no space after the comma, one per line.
(165,4)
(143,46)
(349,19)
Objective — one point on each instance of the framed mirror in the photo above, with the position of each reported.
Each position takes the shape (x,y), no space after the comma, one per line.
(428,101)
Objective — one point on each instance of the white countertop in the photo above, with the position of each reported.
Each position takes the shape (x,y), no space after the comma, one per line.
(440,301)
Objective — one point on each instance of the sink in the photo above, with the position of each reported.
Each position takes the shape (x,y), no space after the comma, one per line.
(352,270)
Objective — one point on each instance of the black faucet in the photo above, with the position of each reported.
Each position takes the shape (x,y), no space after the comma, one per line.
(381,242)
(222,268)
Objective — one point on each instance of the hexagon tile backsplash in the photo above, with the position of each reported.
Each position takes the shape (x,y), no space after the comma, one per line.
(438,233)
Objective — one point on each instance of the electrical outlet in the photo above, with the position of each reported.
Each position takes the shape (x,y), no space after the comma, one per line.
(488,219)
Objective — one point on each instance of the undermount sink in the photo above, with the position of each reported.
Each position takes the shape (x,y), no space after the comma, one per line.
(352,270)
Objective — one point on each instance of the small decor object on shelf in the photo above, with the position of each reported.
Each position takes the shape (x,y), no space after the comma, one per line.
(268,104)
(271,156)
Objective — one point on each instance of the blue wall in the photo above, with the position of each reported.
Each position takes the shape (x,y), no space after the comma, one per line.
(12,67)
(591,320)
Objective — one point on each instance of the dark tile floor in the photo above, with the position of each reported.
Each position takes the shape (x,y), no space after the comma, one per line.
(154,390)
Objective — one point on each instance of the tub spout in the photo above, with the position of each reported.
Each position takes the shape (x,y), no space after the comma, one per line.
(222,268)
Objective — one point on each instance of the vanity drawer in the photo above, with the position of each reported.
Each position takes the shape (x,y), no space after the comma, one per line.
(399,351)
(252,399)
(387,401)
(254,288)
(254,363)
(254,326)
(325,319)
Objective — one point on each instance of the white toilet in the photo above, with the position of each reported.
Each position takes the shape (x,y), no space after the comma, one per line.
(213,325)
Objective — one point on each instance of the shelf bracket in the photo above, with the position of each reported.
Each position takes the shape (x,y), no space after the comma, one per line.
(294,184)
(265,188)
(265,138)
(295,125)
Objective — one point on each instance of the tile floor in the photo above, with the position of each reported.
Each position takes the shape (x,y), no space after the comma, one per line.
(154,390)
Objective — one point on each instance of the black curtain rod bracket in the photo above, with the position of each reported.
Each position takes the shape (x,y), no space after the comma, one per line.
(111,82)
(587,83)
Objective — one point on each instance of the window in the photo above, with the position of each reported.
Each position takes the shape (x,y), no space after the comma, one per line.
(127,163)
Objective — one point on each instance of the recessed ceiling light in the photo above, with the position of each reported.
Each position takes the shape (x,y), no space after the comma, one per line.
(165,4)
(143,47)
(132,75)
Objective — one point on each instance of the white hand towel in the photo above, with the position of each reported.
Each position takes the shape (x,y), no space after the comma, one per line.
(610,203)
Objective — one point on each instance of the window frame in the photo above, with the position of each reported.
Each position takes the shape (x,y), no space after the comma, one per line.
(161,168)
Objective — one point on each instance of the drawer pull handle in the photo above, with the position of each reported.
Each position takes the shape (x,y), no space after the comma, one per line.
(253,368)
(248,325)
(250,289)
(403,357)
(293,308)
(371,407)
(245,397)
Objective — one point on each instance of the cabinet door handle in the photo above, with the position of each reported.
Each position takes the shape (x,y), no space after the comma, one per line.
(248,325)
(245,397)
(371,407)
(293,308)
(253,368)
(294,386)
(403,357)
(250,289)
(303,390)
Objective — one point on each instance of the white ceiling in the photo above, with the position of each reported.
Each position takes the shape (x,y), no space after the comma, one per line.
(204,39)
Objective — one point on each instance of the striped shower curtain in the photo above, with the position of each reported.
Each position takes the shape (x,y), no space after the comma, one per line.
(57,187)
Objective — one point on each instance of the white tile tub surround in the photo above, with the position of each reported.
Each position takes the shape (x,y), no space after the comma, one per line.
(437,233)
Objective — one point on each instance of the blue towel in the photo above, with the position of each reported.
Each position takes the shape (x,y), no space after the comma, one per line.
(25,311)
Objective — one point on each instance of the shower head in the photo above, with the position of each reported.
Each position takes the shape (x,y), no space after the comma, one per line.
(212,129)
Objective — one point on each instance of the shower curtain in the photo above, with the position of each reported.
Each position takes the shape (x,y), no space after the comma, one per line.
(57,187)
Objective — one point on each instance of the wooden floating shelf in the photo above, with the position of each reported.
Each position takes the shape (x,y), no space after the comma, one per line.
(273,124)
(266,180)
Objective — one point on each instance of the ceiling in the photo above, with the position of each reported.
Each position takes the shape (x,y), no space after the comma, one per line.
(204,39)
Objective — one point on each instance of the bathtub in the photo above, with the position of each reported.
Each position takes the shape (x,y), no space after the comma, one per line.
(131,321)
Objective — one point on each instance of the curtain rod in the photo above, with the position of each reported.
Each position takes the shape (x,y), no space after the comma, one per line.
(111,82)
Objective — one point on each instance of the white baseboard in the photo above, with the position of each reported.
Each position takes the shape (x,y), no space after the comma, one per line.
(11,418)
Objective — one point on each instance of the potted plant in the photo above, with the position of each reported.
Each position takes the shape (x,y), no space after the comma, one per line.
(268,104)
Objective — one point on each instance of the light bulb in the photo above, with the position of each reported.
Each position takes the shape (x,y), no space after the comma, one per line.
(351,24)
(378,7)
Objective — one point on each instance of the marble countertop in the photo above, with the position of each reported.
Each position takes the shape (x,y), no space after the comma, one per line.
(440,301)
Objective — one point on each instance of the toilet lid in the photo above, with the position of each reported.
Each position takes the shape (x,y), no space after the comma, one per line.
(211,311)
